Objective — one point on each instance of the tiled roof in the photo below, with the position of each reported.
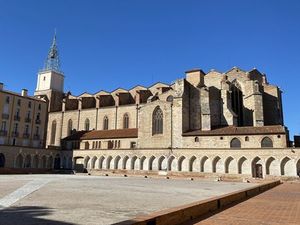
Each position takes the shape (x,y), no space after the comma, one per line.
(75,136)
(104,134)
(231,130)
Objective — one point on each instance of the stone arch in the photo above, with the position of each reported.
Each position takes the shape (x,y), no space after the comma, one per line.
(204,165)
(287,167)
(216,165)
(44,162)
(171,163)
(100,162)
(257,167)
(142,161)
(2,160)
(182,165)
(271,166)
(229,165)
(27,163)
(162,163)
(151,162)
(117,160)
(125,163)
(108,162)
(243,165)
(19,161)
(192,163)
(86,163)
(134,163)
(50,162)
(35,161)
(235,143)
(93,162)
(266,142)
(57,162)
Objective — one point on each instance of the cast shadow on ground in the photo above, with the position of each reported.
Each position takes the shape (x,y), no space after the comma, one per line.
(27,215)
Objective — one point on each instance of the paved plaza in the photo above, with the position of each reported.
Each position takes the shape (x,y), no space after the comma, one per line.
(280,205)
(75,199)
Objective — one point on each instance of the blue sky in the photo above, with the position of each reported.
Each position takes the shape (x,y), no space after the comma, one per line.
(111,44)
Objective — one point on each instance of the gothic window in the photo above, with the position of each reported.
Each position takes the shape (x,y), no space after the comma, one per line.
(196,139)
(87,125)
(157,121)
(53,132)
(126,121)
(105,123)
(235,143)
(237,102)
(70,127)
(266,142)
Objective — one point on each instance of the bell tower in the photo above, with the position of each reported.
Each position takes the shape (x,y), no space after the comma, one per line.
(50,82)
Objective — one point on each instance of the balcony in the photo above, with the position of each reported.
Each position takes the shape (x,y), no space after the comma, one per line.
(5,116)
(37,121)
(27,120)
(36,137)
(15,134)
(3,133)
(17,118)
(25,135)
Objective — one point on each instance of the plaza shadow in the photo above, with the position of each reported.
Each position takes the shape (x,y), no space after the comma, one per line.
(28,215)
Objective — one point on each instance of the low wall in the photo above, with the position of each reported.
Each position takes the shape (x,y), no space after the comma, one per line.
(186,213)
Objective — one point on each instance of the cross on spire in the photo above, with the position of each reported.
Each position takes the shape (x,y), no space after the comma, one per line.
(52,61)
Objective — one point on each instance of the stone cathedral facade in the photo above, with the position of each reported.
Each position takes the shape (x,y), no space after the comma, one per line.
(228,123)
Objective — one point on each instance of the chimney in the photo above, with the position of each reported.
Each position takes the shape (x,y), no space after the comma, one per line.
(1,86)
(24,92)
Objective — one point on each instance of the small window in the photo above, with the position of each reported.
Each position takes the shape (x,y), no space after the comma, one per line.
(235,143)
(19,102)
(125,121)
(39,107)
(105,123)
(196,139)
(29,105)
(94,145)
(221,138)
(279,136)
(44,78)
(7,100)
(133,144)
(266,142)
(170,98)
(246,138)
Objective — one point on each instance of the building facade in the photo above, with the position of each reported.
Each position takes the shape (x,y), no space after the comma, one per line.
(209,123)
(23,119)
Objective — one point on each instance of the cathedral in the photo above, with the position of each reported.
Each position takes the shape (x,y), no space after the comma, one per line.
(227,123)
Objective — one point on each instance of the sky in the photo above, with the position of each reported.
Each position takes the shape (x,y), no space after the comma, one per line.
(108,44)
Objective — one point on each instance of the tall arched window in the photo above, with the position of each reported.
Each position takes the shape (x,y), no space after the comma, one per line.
(266,142)
(237,102)
(125,121)
(105,123)
(87,125)
(53,132)
(70,127)
(235,143)
(157,121)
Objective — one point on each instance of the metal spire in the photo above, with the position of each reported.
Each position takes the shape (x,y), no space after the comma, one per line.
(52,61)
